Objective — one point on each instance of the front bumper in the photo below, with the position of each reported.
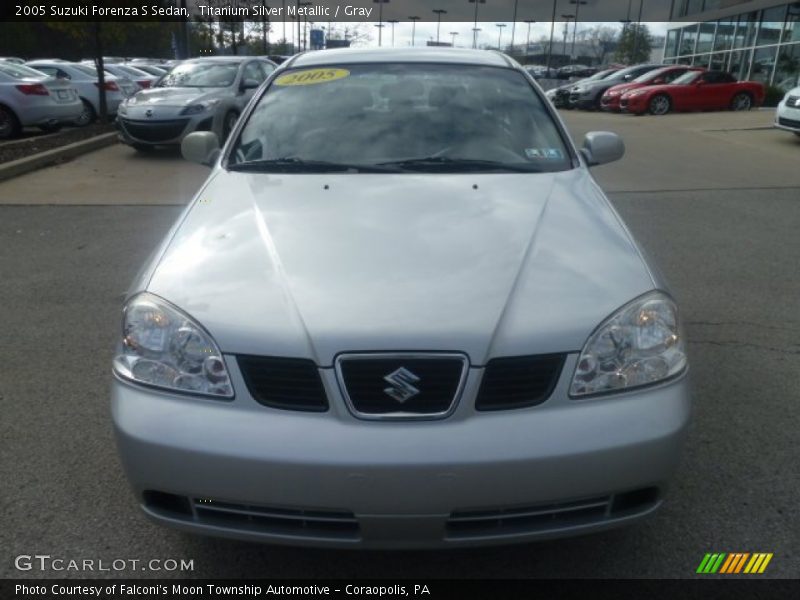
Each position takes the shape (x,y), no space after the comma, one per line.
(635,104)
(242,470)
(787,118)
(582,101)
(610,103)
(158,132)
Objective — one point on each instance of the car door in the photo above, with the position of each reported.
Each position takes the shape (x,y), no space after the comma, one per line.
(711,92)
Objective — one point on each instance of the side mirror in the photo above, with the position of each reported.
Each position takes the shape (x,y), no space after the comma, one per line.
(601,147)
(201,147)
(250,84)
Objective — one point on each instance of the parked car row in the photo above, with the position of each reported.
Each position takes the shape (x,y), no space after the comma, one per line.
(658,90)
(566,72)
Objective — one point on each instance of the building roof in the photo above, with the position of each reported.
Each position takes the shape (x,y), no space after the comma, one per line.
(422,54)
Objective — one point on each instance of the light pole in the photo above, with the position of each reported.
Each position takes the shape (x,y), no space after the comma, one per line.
(393,22)
(636,32)
(454,34)
(566,31)
(475,28)
(305,24)
(380,4)
(528,40)
(514,25)
(552,28)
(499,33)
(577,4)
(413,20)
(439,12)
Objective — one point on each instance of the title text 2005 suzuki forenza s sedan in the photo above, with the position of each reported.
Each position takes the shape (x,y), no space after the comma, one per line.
(399,313)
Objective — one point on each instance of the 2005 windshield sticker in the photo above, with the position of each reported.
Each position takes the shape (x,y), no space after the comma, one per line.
(312,76)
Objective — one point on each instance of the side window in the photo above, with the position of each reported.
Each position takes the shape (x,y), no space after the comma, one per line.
(711,77)
(62,74)
(252,71)
(49,70)
(672,75)
(267,68)
(728,78)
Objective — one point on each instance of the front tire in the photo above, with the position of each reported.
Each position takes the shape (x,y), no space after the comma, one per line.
(742,101)
(88,115)
(660,104)
(9,124)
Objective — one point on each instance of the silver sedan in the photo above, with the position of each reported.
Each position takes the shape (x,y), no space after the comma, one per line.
(204,94)
(400,313)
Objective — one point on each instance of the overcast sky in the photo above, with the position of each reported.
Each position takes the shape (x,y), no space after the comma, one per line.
(426,31)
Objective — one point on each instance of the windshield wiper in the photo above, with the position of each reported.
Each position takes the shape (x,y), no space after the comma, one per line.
(448,164)
(302,165)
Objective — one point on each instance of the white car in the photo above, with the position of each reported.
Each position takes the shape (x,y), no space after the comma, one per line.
(84,79)
(788,114)
(144,79)
(29,98)
(399,313)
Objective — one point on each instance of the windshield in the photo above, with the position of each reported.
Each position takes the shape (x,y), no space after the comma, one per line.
(201,75)
(601,74)
(20,71)
(687,77)
(651,75)
(91,70)
(402,117)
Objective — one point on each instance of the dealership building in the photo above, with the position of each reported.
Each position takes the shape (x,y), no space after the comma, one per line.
(757,40)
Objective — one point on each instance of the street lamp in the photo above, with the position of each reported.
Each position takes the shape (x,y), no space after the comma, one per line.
(439,12)
(514,24)
(413,20)
(552,28)
(305,24)
(577,4)
(499,33)
(380,4)
(528,40)
(475,28)
(636,32)
(566,31)
(454,34)
(393,22)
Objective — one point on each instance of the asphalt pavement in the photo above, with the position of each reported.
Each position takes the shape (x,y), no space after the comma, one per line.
(714,198)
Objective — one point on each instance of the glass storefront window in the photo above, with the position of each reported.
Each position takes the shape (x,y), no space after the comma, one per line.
(694,6)
(763,62)
(740,64)
(746,31)
(688,37)
(702,60)
(705,39)
(719,61)
(771,25)
(787,70)
(791,32)
(724,39)
(671,48)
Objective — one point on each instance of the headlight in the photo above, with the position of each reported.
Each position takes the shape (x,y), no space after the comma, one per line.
(163,347)
(196,109)
(639,345)
(122,109)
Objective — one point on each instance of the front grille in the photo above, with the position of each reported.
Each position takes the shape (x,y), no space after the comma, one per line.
(792,100)
(789,122)
(293,522)
(401,386)
(287,383)
(519,381)
(154,131)
(514,521)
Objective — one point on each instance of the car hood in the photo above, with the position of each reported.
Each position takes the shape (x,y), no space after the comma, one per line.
(621,88)
(314,265)
(175,96)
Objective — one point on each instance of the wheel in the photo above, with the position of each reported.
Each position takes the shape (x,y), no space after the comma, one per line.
(228,123)
(51,128)
(9,124)
(143,148)
(742,101)
(87,116)
(660,104)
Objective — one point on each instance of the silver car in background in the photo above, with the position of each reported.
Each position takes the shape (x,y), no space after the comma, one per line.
(204,94)
(399,313)
(84,78)
(29,98)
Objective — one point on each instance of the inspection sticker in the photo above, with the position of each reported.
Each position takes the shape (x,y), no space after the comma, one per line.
(312,76)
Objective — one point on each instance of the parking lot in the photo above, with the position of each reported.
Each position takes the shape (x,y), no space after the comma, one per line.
(713,197)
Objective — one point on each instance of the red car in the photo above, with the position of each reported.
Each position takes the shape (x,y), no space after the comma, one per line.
(694,90)
(610,99)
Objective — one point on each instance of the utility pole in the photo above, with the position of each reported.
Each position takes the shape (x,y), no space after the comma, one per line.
(393,22)
(499,34)
(439,12)
(413,20)
(552,28)
(380,4)
(514,25)
(475,28)
(454,34)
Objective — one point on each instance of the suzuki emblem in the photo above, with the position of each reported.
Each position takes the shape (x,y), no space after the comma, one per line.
(400,381)
(148,112)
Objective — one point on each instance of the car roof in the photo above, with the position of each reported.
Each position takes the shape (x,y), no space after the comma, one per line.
(385,55)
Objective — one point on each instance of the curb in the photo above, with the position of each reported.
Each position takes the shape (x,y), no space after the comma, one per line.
(56,155)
